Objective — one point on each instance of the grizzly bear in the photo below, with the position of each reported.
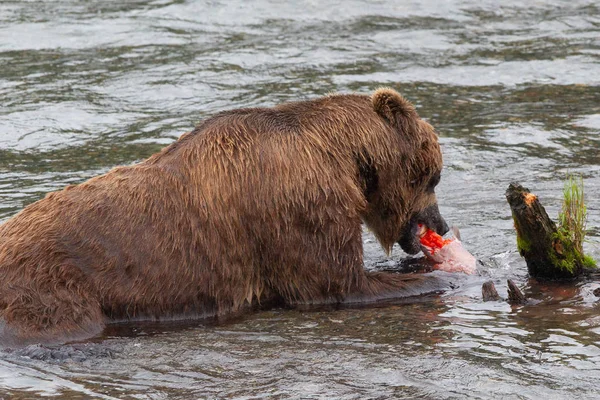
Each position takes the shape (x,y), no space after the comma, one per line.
(254,206)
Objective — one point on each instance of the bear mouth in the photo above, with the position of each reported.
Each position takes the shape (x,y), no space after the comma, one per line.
(418,224)
(410,239)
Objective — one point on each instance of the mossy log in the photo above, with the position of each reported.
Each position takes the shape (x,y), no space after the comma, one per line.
(549,254)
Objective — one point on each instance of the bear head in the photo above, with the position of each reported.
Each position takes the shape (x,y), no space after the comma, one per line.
(400,183)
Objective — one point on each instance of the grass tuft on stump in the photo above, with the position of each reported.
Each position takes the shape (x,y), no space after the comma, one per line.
(572,219)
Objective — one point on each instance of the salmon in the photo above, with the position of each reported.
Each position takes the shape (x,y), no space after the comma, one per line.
(448,254)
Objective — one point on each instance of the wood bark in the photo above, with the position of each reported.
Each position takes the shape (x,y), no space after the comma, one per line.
(515,296)
(489,292)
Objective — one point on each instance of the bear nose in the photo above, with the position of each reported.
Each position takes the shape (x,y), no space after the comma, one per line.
(442,227)
(432,218)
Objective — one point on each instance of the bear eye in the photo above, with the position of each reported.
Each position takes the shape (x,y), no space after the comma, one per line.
(434,182)
(417,181)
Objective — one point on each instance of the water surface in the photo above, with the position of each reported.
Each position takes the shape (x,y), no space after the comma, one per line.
(513,89)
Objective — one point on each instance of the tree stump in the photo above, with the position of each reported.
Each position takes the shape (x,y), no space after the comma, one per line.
(549,255)
(489,292)
(515,296)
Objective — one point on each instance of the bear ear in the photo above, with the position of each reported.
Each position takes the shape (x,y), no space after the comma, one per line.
(390,105)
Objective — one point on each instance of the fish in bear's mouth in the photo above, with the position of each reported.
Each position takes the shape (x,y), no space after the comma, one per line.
(410,239)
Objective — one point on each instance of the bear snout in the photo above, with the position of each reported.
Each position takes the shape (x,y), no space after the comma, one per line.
(429,217)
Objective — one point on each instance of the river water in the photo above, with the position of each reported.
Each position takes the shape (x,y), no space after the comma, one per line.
(513,88)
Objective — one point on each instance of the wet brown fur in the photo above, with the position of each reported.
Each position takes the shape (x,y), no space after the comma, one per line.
(253,205)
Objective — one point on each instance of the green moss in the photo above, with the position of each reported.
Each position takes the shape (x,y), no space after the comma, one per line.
(589,262)
(567,264)
(570,259)
(523,245)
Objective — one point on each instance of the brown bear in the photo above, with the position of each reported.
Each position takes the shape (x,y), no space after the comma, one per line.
(254,206)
